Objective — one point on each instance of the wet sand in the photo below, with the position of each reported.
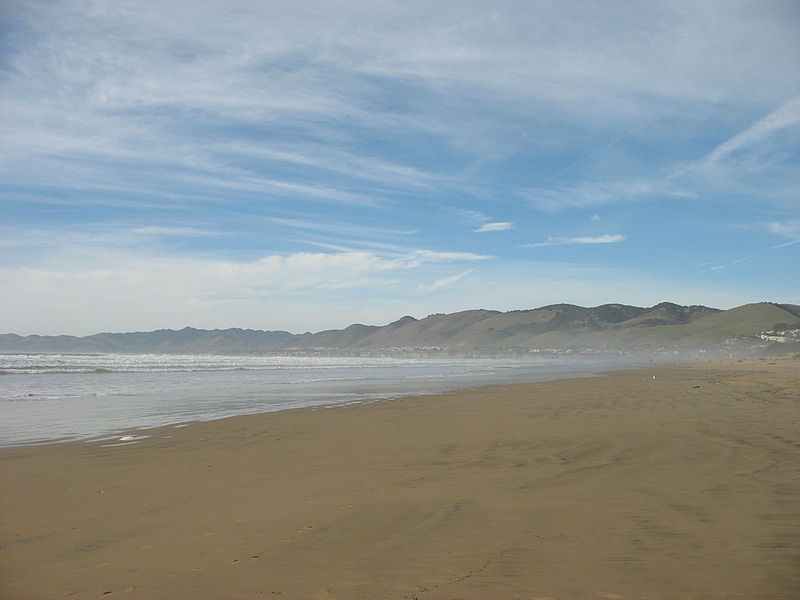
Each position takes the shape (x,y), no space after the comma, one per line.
(614,487)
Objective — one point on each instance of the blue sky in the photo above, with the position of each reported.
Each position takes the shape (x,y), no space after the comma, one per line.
(307,165)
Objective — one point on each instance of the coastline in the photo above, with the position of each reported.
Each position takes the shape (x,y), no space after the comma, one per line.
(119,395)
(664,482)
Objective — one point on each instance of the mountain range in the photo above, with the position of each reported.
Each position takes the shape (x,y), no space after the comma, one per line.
(558,327)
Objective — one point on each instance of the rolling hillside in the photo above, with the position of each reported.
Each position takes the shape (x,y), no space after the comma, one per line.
(554,326)
(610,327)
(168,341)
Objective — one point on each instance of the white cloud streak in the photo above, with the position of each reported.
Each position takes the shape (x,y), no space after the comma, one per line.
(159,230)
(789,229)
(498,226)
(444,282)
(263,111)
(119,289)
(561,241)
(159,84)
(339,228)
(600,193)
(784,117)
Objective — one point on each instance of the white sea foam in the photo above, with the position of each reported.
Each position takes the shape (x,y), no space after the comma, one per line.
(45,398)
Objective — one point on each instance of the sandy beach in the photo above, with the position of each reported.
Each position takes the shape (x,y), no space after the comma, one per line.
(664,483)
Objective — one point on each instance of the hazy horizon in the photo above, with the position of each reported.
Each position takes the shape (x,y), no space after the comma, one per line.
(301,332)
(305,166)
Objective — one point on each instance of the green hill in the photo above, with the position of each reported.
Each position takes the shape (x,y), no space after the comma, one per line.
(708,330)
(610,327)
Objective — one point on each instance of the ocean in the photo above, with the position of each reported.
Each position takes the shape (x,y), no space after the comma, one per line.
(48,398)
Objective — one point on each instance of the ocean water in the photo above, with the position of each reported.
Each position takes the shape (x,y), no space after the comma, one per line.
(47,398)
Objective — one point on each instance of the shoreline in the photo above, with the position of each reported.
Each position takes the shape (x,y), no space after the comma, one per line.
(663,482)
(392,391)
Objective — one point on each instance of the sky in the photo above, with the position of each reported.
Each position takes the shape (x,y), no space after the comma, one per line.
(305,165)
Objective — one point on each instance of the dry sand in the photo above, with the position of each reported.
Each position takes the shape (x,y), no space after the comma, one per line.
(622,486)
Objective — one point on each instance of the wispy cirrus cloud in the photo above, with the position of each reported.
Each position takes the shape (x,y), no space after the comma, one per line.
(335,160)
(757,162)
(562,241)
(352,135)
(496,226)
(122,288)
(735,263)
(444,282)
(339,228)
(601,192)
(186,97)
(159,230)
(790,229)
(786,116)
